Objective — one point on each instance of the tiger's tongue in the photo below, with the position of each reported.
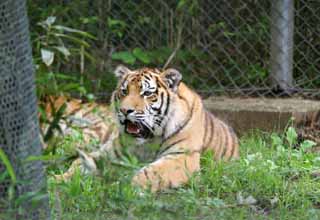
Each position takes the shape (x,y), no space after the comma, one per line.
(132,128)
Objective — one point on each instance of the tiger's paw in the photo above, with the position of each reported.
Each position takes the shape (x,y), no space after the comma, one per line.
(145,180)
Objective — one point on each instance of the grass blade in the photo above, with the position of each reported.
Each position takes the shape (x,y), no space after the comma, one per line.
(5,160)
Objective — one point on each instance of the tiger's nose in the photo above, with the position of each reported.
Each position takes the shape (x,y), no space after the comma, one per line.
(126,111)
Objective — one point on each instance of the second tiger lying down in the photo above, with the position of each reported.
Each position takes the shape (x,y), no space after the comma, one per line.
(150,103)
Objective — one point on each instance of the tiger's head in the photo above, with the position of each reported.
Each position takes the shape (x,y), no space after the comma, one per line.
(142,99)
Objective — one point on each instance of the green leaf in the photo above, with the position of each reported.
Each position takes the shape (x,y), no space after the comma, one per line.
(33,197)
(63,50)
(160,55)
(71,87)
(43,114)
(72,30)
(88,56)
(64,76)
(276,140)
(85,53)
(90,97)
(291,136)
(47,57)
(48,22)
(3,176)
(216,202)
(115,22)
(124,56)
(89,20)
(141,55)
(181,4)
(7,164)
(307,144)
(43,158)
(74,39)
(57,116)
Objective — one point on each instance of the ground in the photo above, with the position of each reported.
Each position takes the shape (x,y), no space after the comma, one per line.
(245,114)
(275,178)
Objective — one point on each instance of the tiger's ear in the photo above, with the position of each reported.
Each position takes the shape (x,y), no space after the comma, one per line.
(172,78)
(120,71)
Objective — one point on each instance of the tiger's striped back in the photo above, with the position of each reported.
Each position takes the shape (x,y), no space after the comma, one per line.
(198,130)
(220,137)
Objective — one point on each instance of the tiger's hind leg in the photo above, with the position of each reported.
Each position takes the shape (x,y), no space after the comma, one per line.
(168,171)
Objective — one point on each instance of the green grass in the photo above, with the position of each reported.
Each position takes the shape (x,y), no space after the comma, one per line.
(272,180)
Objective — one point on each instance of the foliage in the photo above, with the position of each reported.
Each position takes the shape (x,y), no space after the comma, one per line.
(53,124)
(9,181)
(9,169)
(53,46)
(233,39)
(7,201)
(130,33)
(273,179)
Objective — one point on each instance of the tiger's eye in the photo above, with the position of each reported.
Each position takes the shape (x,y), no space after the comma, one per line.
(147,93)
(124,92)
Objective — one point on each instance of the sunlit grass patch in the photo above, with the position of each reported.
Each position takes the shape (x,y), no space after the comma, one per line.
(271,180)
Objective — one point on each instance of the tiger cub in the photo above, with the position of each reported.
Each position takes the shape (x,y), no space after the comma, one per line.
(151,103)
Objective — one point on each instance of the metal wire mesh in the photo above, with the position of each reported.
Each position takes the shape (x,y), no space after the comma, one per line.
(235,47)
(19,131)
(307,47)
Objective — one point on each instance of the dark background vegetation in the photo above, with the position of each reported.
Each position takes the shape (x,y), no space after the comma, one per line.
(222,47)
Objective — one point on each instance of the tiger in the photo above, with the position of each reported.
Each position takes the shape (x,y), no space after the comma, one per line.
(148,104)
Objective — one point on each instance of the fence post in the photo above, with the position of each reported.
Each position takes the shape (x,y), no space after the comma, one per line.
(19,128)
(281,56)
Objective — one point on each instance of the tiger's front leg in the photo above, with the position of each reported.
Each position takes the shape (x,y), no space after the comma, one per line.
(171,170)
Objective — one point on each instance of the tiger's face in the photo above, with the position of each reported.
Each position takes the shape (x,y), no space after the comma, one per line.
(142,99)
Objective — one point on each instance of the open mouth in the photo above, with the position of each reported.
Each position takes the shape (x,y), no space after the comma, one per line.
(136,129)
(133,128)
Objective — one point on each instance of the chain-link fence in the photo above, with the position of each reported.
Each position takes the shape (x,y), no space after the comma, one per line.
(235,47)
(307,47)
